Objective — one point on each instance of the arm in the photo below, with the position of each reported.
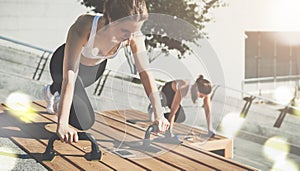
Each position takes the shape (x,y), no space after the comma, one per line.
(180,91)
(77,37)
(174,107)
(207,110)
(141,61)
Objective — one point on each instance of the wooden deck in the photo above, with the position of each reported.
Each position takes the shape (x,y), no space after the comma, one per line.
(112,131)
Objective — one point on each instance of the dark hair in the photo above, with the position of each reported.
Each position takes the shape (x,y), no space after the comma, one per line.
(117,9)
(203,85)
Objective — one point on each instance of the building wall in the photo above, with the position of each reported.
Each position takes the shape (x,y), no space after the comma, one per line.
(39,22)
(231,22)
(226,35)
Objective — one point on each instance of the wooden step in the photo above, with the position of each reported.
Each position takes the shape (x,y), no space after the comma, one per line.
(109,130)
(218,144)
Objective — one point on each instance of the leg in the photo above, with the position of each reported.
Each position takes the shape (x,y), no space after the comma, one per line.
(56,74)
(180,115)
(56,69)
(82,114)
(88,74)
(179,118)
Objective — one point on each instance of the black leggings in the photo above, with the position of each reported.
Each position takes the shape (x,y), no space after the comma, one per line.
(82,115)
(168,97)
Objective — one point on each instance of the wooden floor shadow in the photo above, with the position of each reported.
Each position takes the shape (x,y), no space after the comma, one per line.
(10,126)
(13,155)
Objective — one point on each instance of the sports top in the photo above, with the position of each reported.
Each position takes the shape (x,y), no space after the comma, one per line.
(89,51)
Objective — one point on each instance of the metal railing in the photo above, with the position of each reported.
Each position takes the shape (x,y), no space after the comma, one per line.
(43,58)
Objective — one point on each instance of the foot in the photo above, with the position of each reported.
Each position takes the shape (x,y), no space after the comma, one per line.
(211,133)
(49,98)
(56,102)
(169,134)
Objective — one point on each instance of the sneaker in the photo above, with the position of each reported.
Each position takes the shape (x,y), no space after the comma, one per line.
(169,134)
(211,134)
(56,102)
(49,98)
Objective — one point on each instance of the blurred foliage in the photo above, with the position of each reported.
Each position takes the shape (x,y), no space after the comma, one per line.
(196,13)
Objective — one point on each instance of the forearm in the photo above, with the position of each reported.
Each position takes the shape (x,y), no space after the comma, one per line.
(208,115)
(152,93)
(172,116)
(207,106)
(66,99)
(174,108)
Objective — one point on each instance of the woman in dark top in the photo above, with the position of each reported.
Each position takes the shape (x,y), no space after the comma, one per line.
(174,91)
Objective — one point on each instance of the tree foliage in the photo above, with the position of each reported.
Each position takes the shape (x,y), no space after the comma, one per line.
(191,11)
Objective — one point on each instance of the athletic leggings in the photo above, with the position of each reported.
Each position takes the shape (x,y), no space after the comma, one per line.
(82,115)
(168,96)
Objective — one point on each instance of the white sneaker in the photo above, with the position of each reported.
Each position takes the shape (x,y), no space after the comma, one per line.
(49,98)
(56,102)
(211,133)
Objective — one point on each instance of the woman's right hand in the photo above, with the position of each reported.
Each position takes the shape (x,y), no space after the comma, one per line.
(67,134)
(162,123)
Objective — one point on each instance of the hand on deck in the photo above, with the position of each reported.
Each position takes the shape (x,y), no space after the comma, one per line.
(163,124)
(67,134)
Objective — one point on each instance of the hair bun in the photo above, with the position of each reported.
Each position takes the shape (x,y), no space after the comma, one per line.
(200,77)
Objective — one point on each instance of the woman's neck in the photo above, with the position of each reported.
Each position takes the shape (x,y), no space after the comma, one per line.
(104,39)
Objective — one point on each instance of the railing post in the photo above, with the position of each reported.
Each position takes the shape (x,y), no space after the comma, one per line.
(41,66)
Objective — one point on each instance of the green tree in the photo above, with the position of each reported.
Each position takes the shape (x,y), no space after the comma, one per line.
(196,12)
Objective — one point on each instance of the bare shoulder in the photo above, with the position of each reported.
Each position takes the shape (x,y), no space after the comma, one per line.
(83,23)
(182,82)
(179,84)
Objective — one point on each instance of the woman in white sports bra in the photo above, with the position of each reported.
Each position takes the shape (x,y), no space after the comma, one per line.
(82,59)
(174,91)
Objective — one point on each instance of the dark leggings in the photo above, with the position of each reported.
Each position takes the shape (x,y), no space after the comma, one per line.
(82,114)
(168,96)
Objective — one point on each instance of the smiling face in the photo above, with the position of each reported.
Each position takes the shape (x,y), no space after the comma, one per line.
(124,30)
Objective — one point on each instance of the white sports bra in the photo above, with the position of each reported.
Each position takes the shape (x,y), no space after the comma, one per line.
(89,52)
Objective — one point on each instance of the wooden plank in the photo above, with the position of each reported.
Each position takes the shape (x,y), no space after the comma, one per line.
(107,137)
(142,118)
(10,129)
(192,134)
(69,153)
(150,163)
(109,159)
(108,130)
(183,150)
(118,162)
(222,144)
(161,162)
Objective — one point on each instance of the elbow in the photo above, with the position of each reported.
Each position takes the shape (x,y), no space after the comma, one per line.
(144,75)
(67,84)
(69,78)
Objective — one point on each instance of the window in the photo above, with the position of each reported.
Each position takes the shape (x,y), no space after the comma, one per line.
(272,54)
